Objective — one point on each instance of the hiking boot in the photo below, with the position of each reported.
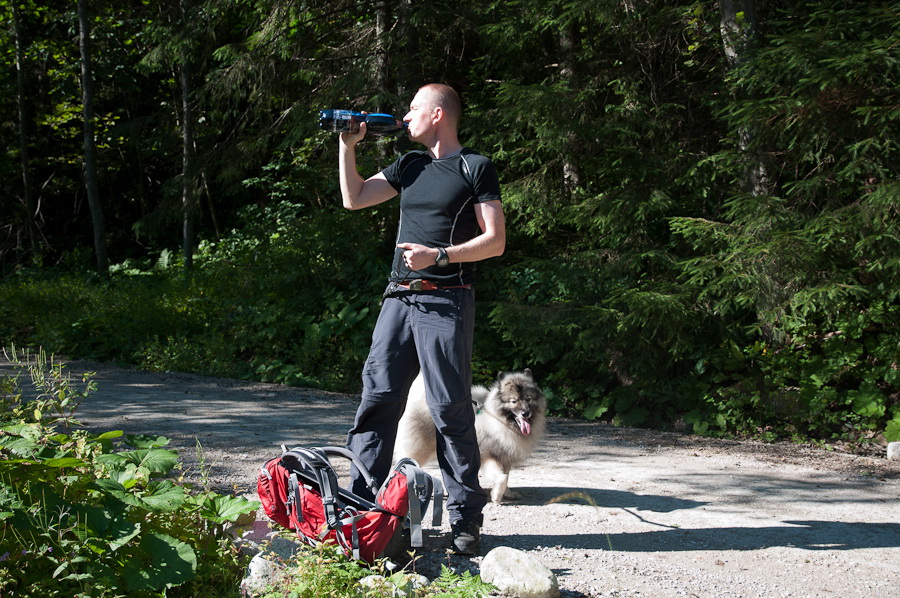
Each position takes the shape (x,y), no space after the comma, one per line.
(466,536)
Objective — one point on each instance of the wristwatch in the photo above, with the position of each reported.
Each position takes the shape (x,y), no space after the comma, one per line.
(443,259)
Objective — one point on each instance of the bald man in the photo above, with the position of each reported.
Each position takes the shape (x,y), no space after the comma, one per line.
(450,219)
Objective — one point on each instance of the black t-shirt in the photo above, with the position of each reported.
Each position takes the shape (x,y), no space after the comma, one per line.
(437,199)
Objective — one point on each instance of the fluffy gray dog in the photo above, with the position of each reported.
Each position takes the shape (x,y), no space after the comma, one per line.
(509,421)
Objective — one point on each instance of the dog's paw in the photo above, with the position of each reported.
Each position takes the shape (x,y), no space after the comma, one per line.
(511,495)
(498,493)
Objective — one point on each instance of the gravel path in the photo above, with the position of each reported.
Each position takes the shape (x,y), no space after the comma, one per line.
(612,511)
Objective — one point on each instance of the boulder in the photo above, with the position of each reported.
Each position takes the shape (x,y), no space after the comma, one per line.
(270,552)
(516,573)
(893,451)
(261,573)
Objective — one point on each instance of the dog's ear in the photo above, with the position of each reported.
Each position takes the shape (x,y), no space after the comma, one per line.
(528,373)
(501,376)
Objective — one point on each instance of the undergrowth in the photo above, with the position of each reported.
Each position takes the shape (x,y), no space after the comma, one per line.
(268,303)
(109,514)
(325,572)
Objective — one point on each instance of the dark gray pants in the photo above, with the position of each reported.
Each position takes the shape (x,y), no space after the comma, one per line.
(431,331)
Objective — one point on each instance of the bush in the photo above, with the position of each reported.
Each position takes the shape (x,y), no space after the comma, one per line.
(101,515)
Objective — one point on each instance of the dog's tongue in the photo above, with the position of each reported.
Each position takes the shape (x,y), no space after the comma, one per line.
(524,426)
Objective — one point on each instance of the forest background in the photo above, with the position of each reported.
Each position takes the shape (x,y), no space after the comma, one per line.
(701,196)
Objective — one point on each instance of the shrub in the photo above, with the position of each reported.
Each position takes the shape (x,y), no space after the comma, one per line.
(101,514)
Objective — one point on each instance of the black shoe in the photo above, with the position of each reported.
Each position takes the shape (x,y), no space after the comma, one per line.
(466,536)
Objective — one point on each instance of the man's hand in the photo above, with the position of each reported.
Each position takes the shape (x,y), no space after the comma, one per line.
(351,139)
(418,257)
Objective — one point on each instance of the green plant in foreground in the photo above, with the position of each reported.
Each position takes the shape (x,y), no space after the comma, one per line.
(320,572)
(100,515)
(465,585)
(56,400)
(325,572)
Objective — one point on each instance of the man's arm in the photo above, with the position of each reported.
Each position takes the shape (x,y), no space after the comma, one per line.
(356,192)
(490,243)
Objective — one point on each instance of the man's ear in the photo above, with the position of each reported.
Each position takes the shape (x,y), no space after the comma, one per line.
(437,115)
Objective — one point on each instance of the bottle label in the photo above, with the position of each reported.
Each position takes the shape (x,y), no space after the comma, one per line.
(347,121)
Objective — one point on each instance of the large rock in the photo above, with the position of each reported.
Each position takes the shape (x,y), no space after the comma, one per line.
(261,573)
(893,452)
(270,552)
(516,573)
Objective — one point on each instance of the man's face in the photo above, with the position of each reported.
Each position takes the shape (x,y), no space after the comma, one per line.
(420,116)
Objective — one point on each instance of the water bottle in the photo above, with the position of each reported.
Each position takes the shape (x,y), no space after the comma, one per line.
(347,121)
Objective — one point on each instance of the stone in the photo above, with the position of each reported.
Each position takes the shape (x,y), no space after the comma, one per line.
(893,451)
(262,536)
(371,584)
(262,572)
(270,552)
(516,573)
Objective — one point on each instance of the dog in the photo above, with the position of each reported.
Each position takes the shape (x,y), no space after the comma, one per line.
(510,422)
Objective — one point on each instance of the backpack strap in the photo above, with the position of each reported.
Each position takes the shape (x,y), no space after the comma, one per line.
(421,491)
(354,532)
(317,462)
(417,491)
(413,483)
(293,499)
(437,504)
(371,482)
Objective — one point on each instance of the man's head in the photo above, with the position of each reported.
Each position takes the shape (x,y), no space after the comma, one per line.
(444,97)
(435,106)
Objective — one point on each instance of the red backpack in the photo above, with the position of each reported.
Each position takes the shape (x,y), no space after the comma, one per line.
(299,491)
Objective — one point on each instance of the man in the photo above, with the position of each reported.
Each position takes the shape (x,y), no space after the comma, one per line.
(450,218)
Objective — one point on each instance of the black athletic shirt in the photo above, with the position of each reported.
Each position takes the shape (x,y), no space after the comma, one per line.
(437,199)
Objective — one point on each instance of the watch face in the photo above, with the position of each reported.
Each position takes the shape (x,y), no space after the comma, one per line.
(443,259)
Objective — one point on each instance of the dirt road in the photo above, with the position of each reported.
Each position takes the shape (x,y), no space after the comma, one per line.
(672,515)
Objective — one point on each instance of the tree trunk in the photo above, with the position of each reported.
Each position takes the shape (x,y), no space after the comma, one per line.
(572,178)
(189,178)
(24,132)
(90,144)
(188,166)
(407,50)
(382,25)
(737,24)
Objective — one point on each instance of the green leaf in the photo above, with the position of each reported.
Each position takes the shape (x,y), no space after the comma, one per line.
(163,496)
(120,533)
(868,401)
(892,430)
(146,441)
(594,410)
(164,562)
(154,460)
(219,509)
(102,529)
(118,491)
(64,462)
(160,497)
(28,431)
